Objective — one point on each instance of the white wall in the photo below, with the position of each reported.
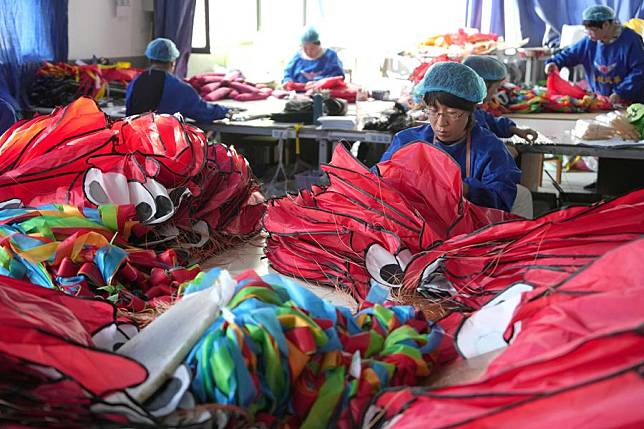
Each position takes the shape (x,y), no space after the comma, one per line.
(94,28)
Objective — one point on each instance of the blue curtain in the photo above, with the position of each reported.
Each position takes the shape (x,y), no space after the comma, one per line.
(30,31)
(495,15)
(173,20)
(541,20)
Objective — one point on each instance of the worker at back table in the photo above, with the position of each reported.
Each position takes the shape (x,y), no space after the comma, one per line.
(312,62)
(158,90)
(451,92)
(612,56)
(493,73)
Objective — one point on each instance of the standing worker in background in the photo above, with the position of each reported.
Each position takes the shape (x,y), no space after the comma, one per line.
(158,90)
(451,92)
(312,62)
(612,56)
(493,73)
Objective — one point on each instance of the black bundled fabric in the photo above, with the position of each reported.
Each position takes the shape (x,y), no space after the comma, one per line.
(301,109)
(50,91)
(335,106)
(392,120)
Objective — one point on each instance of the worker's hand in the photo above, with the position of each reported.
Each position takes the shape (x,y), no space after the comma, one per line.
(551,68)
(289,86)
(527,134)
(615,99)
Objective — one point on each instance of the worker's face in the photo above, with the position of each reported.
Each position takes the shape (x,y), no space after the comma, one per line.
(312,50)
(602,34)
(449,124)
(492,89)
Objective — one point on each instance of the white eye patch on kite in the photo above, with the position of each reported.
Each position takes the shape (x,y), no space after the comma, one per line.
(151,199)
(483,331)
(385,268)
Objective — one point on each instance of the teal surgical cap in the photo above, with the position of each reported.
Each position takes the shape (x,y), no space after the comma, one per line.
(310,36)
(454,78)
(162,50)
(598,13)
(489,68)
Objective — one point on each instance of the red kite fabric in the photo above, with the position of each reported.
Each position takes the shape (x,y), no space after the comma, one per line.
(57,359)
(162,166)
(541,253)
(576,360)
(363,228)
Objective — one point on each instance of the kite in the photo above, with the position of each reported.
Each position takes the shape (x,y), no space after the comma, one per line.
(365,228)
(199,194)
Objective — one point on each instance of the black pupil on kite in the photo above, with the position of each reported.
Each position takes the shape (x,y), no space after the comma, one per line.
(392,274)
(164,206)
(143,211)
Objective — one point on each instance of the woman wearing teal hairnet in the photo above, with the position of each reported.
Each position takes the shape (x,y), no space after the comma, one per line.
(451,92)
(493,73)
(612,56)
(158,90)
(312,62)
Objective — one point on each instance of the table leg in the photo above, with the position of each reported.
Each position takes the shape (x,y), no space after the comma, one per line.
(323,157)
(531,170)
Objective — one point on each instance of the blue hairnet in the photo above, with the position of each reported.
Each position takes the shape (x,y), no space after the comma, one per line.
(310,35)
(489,68)
(162,50)
(598,13)
(454,78)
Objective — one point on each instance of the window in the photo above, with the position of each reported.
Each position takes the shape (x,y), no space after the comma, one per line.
(201,28)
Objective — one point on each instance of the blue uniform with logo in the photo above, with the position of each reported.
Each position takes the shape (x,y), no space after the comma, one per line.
(303,70)
(494,174)
(610,67)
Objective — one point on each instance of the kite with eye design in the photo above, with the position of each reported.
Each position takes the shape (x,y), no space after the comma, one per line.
(157,163)
(366,228)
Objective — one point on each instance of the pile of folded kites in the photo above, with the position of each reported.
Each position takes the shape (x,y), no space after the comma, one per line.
(213,86)
(57,84)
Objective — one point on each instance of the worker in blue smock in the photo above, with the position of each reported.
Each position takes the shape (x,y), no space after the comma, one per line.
(612,56)
(312,62)
(158,90)
(451,92)
(493,73)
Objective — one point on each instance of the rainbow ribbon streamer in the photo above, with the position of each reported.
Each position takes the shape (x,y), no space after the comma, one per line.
(290,357)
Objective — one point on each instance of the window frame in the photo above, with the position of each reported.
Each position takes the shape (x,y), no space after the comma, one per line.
(205,49)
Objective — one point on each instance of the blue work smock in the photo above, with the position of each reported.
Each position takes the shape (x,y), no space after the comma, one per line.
(500,126)
(494,174)
(7,116)
(303,70)
(158,91)
(610,67)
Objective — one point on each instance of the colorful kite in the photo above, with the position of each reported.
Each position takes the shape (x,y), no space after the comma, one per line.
(365,228)
(294,360)
(57,358)
(88,253)
(574,327)
(199,194)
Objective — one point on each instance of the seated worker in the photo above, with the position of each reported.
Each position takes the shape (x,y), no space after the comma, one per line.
(451,92)
(612,56)
(493,73)
(312,62)
(158,90)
